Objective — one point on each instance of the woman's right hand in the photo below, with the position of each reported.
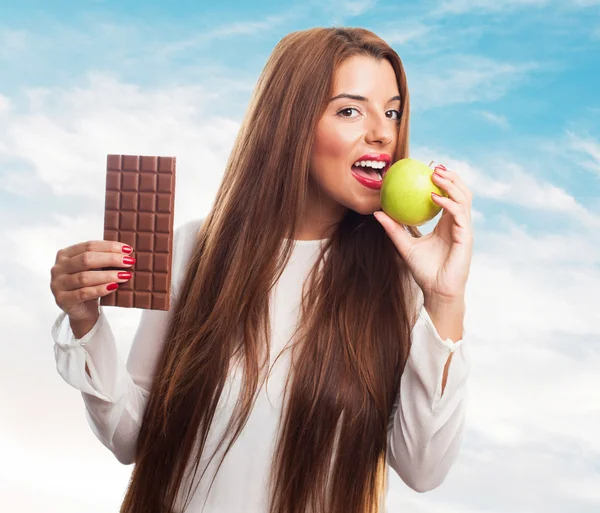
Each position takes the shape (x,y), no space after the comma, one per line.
(78,278)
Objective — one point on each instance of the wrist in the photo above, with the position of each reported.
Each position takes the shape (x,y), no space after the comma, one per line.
(447,316)
(435,301)
(81,327)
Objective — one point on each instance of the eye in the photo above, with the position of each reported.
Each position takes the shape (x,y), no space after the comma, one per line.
(346,109)
(397,114)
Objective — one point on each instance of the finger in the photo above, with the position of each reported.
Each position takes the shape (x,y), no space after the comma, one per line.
(108,246)
(67,299)
(93,278)
(458,212)
(454,192)
(399,235)
(454,177)
(95,260)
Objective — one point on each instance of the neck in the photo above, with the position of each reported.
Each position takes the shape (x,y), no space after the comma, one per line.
(320,217)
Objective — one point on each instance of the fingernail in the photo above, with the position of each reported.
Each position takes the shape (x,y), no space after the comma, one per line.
(128,260)
(123,276)
(112,286)
(126,249)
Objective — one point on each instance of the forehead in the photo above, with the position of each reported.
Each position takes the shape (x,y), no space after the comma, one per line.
(363,74)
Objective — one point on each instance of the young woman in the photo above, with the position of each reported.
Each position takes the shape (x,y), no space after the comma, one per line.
(310,343)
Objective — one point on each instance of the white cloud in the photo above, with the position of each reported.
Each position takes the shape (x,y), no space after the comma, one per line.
(533,331)
(36,478)
(584,487)
(5,105)
(586,3)
(406,32)
(463,79)
(12,42)
(62,137)
(354,7)
(507,182)
(589,147)
(482,6)
(495,119)
(463,6)
(66,134)
(235,28)
(338,12)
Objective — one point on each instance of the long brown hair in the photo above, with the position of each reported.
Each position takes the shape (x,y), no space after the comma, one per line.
(353,338)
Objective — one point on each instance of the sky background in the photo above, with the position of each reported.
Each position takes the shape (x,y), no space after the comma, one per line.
(503,92)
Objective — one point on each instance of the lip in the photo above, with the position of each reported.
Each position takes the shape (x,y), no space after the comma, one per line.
(377,157)
(367,182)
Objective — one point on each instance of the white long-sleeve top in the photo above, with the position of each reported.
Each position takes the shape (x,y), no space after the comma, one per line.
(425,430)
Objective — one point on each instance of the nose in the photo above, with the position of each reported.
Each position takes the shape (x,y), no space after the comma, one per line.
(381,130)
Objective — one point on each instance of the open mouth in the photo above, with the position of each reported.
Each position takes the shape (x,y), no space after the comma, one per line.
(371,170)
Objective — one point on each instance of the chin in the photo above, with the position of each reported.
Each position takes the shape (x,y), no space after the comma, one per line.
(365,208)
(365,211)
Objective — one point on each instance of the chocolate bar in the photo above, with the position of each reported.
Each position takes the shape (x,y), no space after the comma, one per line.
(139,211)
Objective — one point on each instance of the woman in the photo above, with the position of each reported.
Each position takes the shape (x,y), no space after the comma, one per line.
(290,255)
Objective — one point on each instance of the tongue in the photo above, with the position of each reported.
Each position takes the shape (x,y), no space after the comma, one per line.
(366,171)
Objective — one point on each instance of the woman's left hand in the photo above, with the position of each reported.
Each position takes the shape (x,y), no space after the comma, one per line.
(439,261)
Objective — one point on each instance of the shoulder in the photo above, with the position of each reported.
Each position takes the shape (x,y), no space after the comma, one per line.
(185,233)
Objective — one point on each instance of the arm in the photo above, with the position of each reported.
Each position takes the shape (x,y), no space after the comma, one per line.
(115,393)
(448,319)
(427,425)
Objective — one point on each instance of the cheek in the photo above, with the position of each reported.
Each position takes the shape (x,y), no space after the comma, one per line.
(331,150)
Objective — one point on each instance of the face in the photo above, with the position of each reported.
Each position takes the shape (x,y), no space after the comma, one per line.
(352,129)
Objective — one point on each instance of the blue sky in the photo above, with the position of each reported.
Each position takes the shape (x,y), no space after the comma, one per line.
(505,93)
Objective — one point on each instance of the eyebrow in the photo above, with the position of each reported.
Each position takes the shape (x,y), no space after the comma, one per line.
(360,98)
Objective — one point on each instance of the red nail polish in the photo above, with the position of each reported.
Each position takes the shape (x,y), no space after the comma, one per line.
(128,260)
(126,249)
(123,276)
(112,286)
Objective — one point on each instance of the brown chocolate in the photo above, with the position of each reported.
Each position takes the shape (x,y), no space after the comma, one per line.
(139,211)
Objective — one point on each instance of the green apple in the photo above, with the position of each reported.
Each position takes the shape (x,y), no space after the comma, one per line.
(406,193)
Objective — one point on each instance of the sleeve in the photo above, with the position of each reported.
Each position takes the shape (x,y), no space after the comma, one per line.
(117,392)
(426,427)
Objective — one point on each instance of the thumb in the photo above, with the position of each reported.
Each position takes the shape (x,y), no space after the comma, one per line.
(401,238)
